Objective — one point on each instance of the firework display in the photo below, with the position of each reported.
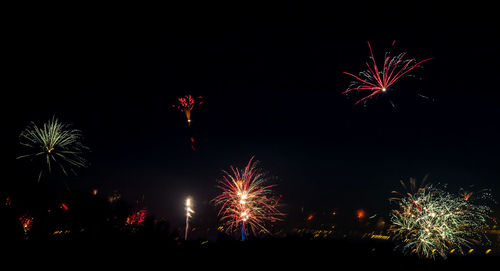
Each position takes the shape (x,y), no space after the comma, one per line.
(246,201)
(374,81)
(186,104)
(54,143)
(431,221)
(268,94)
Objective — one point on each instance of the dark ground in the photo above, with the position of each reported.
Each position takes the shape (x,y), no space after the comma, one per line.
(266,254)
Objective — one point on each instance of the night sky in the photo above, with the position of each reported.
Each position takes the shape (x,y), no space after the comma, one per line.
(271,78)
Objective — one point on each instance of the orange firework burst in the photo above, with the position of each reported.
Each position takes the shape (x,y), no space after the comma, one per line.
(245,201)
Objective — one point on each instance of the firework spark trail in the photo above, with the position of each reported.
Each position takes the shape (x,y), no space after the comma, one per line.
(431,221)
(189,212)
(377,81)
(54,142)
(245,201)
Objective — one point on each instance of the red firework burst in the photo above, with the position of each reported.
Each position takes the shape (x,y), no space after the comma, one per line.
(246,201)
(137,218)
(26,222)
(376,81)
(186,104)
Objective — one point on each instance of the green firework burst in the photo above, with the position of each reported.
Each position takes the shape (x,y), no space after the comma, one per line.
(54,144)
(431,221)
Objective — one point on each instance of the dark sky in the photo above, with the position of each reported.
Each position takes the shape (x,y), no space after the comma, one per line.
(271,76)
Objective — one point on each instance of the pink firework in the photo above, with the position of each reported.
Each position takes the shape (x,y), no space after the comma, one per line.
(246,201)
(137,218)
(186,104)
(375,81)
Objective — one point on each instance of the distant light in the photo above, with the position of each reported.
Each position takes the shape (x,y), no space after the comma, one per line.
(488,251)
(470,250)
(360,213)
(381,237)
